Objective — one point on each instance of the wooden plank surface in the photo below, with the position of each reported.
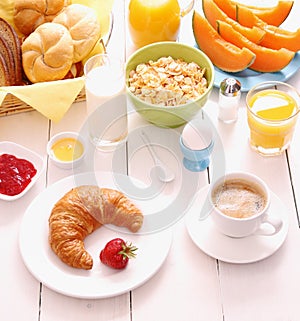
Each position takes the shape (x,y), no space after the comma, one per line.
(190,285)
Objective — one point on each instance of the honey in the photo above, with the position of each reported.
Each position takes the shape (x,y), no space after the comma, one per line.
(67,149)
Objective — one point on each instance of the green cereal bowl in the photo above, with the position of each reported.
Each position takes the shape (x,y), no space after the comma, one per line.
(165,116)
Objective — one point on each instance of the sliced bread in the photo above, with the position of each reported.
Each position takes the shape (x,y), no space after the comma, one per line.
(9,59)
(4,74)
(10,37)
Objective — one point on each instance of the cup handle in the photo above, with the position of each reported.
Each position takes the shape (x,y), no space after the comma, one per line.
(187,9)
(275,222)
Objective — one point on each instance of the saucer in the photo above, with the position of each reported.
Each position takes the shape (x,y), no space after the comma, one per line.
(233,250)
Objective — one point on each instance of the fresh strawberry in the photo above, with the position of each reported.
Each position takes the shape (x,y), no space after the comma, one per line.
(116,253)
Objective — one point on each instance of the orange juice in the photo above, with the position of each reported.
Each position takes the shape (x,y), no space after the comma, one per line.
(271,118)
(153,20)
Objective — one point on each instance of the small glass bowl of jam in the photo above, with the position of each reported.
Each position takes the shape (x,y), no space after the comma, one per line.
(66,149)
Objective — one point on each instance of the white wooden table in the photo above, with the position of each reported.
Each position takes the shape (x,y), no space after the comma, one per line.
(190,285)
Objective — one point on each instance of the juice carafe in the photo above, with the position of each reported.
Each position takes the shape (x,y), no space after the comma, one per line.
(155,20)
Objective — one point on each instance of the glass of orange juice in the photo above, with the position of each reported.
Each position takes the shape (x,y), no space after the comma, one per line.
(272,111)
(155,20)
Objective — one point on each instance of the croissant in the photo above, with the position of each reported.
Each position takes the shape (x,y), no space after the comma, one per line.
(81,211)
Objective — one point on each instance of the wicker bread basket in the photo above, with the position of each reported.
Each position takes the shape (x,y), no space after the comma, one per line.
(13,105)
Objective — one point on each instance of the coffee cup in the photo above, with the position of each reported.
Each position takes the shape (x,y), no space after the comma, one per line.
(240,204)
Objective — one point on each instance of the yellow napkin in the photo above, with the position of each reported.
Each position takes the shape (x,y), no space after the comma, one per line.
(54,98)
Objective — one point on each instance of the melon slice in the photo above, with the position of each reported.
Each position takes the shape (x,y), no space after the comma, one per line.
(275,38)
(271,15)
(223,54)
(275,15)
(213,13)
(267,60)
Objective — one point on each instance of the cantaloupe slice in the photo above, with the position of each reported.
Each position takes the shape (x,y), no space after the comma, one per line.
(213,13)
(267,60)
(275,15)
(228,7)
(275,37)
(223,54)
(272,15)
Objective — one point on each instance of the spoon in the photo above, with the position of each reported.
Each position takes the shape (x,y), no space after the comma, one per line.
(165,174)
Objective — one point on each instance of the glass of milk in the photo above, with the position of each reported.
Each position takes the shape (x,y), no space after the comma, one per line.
(106,101)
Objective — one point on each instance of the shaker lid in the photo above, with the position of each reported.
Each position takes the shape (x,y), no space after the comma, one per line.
(230,87)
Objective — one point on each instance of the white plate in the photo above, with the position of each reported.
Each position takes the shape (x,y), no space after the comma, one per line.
(101,281)
(249,78)
(24,153)
(244,250)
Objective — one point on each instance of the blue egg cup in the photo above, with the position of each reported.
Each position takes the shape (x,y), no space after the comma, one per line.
(196,160)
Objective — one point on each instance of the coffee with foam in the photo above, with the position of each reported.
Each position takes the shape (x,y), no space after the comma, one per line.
(239,198)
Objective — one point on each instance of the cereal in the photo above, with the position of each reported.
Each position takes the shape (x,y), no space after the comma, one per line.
(168,81)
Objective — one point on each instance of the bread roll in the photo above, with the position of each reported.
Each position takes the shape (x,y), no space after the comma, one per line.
(83,25)
(47,53)
(28,14)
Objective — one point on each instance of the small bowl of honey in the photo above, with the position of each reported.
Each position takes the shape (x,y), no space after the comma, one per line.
(66,149)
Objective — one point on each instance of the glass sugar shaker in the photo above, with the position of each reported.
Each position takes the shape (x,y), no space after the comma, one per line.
(229,98)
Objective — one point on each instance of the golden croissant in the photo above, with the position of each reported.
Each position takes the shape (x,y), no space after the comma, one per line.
(80,212)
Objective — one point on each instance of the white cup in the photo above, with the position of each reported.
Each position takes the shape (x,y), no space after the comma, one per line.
(246,216)
(106,101)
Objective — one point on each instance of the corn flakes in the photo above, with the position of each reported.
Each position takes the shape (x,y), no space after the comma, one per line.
(168,81)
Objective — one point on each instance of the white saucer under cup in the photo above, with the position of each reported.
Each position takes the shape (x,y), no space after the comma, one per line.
(234,250)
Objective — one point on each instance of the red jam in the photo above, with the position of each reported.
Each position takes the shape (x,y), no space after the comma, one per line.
(15,174)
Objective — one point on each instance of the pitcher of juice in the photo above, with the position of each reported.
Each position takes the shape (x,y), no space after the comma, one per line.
(155,20)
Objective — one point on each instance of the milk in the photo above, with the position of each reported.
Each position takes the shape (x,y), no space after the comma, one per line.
(102,83)
(106,105)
